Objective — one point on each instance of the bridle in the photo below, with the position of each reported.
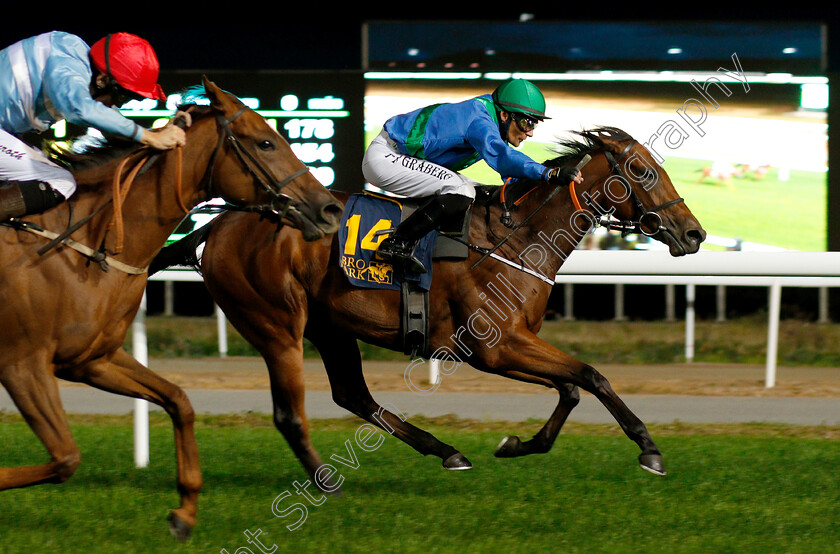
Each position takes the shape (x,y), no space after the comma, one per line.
(280,203)
(649,217)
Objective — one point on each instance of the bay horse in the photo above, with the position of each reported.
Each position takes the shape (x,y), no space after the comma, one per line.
(68,299)
(276,290)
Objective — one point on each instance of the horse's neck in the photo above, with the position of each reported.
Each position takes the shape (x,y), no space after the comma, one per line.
(137,225)
(551,234)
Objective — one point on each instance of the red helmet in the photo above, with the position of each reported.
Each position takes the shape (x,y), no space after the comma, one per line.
(130,61)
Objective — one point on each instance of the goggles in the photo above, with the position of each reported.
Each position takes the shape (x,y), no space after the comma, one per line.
(525,122)
(119,95)
(123,95)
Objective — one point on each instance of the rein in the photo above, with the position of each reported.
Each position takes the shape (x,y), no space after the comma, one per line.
(120,191)
(548,198)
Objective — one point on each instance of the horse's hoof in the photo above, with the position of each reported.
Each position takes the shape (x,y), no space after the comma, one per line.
(329,487)
(652,463)
(457,462)
(179,528)
(509,447)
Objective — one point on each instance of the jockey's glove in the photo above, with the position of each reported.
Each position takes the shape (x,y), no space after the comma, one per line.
(561,175)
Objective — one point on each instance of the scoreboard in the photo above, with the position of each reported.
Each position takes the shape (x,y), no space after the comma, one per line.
(320,114)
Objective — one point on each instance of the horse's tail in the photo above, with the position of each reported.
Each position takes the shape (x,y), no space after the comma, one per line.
(182,252)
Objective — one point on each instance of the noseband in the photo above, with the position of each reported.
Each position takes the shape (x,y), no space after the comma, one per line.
(281,203)
(648,217)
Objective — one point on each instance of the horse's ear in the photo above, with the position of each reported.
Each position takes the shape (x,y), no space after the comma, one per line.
(219,99)
(213,92)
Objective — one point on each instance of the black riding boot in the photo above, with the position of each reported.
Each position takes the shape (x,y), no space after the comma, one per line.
(398,249)
(11,201)
(20,198)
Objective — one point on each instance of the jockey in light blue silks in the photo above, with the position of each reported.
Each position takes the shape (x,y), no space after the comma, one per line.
(56,76)
(420,153)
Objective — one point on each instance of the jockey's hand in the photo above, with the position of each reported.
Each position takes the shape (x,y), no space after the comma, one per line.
(170,136)
(563,175)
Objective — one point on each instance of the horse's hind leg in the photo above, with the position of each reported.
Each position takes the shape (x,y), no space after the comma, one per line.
(37,398)
(343,363)
(543,440)
(126,376)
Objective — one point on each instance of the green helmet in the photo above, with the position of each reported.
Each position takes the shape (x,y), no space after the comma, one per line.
(520,96)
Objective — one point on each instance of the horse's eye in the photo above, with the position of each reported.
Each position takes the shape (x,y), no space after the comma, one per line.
(266,145)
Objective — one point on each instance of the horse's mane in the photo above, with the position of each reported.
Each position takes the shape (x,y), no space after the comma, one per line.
(568,151)
(88,151)
(572,149)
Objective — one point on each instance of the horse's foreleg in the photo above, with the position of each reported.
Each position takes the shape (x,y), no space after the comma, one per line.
(36,395)
(343,363)
(126,376)
(526,354)
(273,323)
(285,370)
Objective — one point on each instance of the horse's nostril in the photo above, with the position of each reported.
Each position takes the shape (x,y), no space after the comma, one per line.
(695,235)
(332,210)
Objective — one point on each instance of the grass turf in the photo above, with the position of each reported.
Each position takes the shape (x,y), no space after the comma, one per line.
(745,488)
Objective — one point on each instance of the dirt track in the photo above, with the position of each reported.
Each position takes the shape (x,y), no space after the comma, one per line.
(688,379)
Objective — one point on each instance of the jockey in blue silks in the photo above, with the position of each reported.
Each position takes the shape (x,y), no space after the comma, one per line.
(419,154)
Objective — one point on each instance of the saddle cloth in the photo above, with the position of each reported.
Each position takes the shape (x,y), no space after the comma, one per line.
(368,219)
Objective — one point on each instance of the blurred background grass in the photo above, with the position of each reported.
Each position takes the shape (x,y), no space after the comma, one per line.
(739,209)
(741,340)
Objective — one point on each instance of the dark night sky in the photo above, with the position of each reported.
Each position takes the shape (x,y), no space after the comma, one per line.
(334,46)
(300,40)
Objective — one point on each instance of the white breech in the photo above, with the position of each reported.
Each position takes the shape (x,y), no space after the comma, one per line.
(385,167)
(21,162)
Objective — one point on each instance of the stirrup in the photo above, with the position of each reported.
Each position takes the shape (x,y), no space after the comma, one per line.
(412,264)
(400,254)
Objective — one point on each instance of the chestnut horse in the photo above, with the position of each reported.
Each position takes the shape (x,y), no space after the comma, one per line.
(276,290)
(66,317)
